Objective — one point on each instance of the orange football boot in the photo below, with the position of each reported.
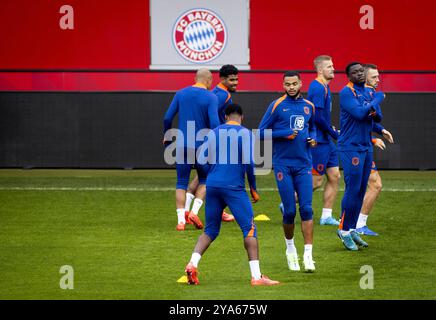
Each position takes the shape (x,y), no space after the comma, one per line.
(191,273)
(263,281)
(180,227)
(186,217)
(195,220)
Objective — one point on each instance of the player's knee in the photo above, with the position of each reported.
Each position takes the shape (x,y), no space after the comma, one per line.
(212,234)
(289,218)
(334,177)
(306,212)
(378,185)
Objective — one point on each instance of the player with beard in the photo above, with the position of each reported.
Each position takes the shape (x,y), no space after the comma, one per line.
(291,119)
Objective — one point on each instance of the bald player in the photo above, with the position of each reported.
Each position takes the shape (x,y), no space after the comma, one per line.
(197,109)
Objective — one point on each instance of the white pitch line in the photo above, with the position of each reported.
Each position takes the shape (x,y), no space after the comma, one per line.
(158,189)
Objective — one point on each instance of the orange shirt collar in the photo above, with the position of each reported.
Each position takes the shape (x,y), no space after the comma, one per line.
(233,122)
(200,85)
(220,85)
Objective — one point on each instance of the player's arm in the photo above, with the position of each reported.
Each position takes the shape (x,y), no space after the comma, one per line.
(212,111)
(249,169)
(356,109)
(267,122)
(312,130)
(171,113)
(317,96)
(377,128)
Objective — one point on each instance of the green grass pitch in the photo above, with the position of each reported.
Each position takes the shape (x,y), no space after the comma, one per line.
(117,230)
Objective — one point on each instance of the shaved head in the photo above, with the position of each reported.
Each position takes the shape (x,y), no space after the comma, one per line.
(204,76)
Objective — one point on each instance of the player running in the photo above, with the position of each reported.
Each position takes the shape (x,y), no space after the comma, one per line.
(374,183)
(291,119)
(325,159)
(229,81)
(198,107)
(356,119)
(226,187)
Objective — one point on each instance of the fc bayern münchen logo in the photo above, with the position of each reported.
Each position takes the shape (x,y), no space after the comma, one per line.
(199,35)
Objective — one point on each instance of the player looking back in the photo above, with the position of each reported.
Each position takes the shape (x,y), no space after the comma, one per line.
(356,120)
(229,81)
(226,187)
(325,159)
(291,119)
(196,106)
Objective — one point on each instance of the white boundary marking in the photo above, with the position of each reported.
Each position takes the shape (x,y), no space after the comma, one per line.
(158,189)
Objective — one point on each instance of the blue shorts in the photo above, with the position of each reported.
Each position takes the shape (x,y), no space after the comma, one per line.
(324,156)
(184,165)
(238,202)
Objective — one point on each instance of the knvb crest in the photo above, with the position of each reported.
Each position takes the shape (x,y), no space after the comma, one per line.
(297,123)
(199,35)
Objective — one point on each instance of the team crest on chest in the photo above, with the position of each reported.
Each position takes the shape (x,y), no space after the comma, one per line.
(306,110)
(199,35)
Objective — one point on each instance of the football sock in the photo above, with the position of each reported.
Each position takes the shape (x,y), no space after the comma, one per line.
(344,233)
(181,215)
(290,247)
(326,213)
(188,201)
(255,269)
(362,220)
(308,249)
(195,259)
(197,205)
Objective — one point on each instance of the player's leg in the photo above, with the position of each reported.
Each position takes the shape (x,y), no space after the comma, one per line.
(371,195)
(286,190)
(320,162)
(214,206)
(238,202)
(352,163)
(303,186)
(200,194)
(332,185)
(190,196)
(183,172)
(366,171)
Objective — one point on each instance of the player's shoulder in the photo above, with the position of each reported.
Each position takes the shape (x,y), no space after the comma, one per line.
(309,104)
(277,102)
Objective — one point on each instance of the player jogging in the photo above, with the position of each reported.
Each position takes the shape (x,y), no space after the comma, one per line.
(291,119)
(196,106)
(226,187)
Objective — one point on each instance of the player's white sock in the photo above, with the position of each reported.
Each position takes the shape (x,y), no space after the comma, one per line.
(326,213)
(362,220)
(255,269)
(195,259)
(344,233)
(308,249)
(197,205)
(181,215)
(290,247)
(188,201)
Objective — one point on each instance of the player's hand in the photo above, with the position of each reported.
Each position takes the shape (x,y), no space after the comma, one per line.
(312,142)
(254,195)
(379,144)
(293,136)
(388,136)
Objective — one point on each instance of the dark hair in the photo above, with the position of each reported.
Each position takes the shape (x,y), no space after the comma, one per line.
(348,67)
(291,74)
(370,66)
(233,108)
(227,70)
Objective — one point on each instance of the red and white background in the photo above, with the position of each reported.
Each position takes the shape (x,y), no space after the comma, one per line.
(110,46)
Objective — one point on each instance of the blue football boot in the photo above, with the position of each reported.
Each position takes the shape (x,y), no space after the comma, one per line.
(347,241)
(366,231)
(358,240)
(329,221)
